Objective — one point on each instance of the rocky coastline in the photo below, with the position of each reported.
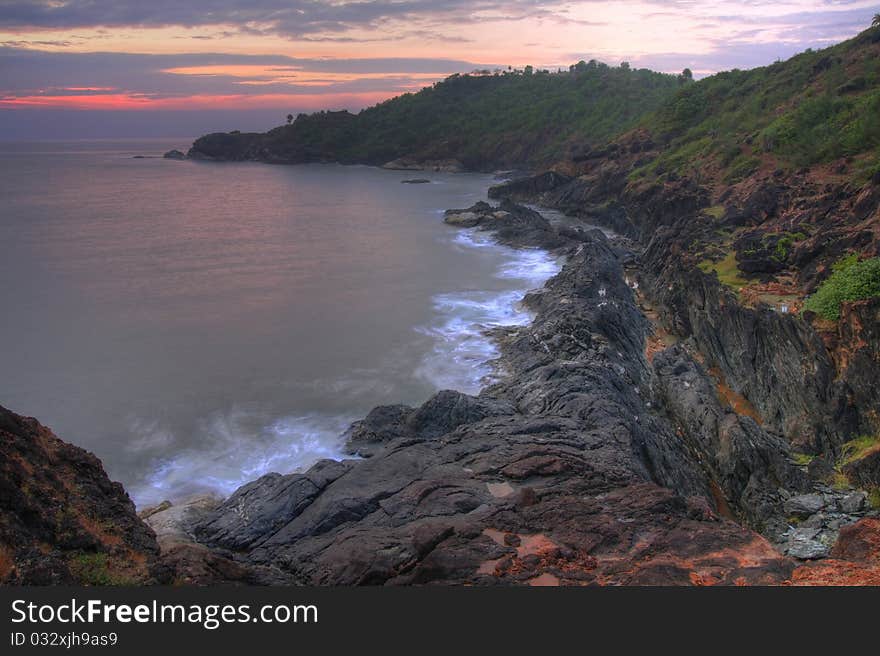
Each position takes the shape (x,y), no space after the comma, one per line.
(600,457)
(641,432)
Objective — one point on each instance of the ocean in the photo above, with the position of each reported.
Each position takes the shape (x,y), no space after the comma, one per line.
(197,325)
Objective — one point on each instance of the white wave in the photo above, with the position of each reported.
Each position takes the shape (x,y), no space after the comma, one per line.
(237,447)
(240,447)
(463,347)
(532,266)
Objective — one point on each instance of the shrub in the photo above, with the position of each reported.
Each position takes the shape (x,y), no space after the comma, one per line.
(851,281)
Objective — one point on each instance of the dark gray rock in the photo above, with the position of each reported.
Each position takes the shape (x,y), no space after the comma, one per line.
(805,505)
(449,409)
(383,424)
(511,224)
(440,414)
(259,508)
(803,543)
(562,458)
(854,502)
(864,470)
(529,187)
(751,466)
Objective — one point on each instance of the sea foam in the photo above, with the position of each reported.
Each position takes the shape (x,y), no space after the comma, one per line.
(463,349)
(246,444)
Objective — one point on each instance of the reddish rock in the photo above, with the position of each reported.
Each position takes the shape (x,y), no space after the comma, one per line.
(855,558)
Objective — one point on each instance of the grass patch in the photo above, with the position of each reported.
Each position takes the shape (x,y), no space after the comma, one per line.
(874,498)
(802,459)
(716,212)
(860,447)
(851,281)
(93,569)
(839,481)
(727,270)
(741,168)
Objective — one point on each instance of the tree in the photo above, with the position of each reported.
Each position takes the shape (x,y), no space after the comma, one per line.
(876,21)
(687,74)
(624,66)
(289,119)
(528,70)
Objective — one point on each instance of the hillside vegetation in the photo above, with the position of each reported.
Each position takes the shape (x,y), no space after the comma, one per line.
(485,121)
(814,108)
(851,281)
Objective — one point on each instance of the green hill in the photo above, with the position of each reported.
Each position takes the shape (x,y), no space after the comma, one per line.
(812,109)
(484,121)
(815,108)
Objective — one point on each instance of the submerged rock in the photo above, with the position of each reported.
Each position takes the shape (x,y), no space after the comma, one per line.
(416,164)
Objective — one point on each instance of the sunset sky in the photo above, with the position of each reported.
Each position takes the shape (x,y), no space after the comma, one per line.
(172,67)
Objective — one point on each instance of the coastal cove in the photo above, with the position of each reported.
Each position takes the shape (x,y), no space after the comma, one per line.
(223,321)
(581,325)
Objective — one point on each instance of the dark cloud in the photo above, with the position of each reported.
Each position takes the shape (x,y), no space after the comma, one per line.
(288,17)
(23,71)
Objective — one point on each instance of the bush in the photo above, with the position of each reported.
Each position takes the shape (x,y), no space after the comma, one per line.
(851,281)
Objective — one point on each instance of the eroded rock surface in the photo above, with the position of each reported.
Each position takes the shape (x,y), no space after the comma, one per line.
(562,473)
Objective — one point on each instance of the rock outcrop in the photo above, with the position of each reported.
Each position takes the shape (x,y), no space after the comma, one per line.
(417,164)
(565,472)
(62,521)
(854,560)
(813,385)
(185,561)
(595,459)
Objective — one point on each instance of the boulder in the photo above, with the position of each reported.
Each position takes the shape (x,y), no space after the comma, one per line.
(804,505)
(463,219)
(382,425)
(804,545)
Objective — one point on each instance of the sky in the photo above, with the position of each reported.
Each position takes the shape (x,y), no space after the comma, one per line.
(118,68)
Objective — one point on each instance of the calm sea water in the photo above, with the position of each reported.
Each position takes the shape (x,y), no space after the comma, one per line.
(197,325)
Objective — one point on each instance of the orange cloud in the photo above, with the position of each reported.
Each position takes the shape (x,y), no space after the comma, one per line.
(257,75)
(132,101)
